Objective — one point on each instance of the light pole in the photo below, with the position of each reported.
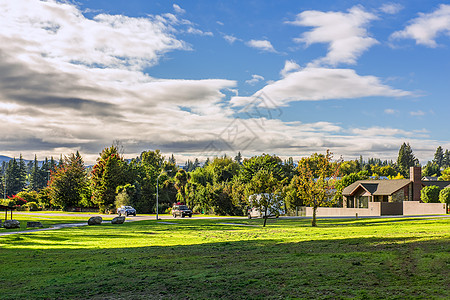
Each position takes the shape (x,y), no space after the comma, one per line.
(4,188)
(157,192)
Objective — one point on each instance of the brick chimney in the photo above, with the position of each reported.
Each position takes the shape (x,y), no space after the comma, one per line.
(415,175)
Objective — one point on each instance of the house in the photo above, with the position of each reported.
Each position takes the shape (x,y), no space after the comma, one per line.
(387,197)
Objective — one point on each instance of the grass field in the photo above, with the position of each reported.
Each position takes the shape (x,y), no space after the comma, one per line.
(207,259)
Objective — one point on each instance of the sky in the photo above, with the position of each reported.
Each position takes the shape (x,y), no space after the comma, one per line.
(207,78)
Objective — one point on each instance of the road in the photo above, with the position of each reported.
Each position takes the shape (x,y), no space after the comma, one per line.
(104,216)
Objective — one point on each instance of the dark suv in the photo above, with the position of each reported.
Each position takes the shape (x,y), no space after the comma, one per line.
(181,210)
(126,211)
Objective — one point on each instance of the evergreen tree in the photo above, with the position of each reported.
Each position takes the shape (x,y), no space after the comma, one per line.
(22,175)
(238,158)
(439,157)
(35,176)
(446,160)
(172,160)
(207,162)
(196,164)
(69,184)
(406,159)
(108,173)
(12,181)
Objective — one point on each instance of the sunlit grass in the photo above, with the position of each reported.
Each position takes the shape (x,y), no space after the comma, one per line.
(204,259)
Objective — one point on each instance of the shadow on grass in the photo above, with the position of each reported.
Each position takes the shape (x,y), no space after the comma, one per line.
(364,267)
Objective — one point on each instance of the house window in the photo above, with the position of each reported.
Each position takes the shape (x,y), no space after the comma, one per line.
(350,202)
(363,202)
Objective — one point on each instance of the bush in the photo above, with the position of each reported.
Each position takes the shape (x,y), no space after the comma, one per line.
(32,206)
(31,196)
(17,200)
(430,194)
(444,196)
(8,202)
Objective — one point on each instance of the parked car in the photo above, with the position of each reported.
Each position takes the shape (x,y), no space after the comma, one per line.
(181,210)
(126,211)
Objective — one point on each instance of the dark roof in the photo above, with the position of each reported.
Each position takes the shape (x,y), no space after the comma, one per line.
(440,184)
(376,187)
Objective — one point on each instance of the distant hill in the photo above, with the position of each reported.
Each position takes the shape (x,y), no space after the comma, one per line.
(4,158)
(7,159)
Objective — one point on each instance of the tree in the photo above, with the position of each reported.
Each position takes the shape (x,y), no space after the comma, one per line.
(439,157)
(68,185)
(290,193)
(406,159)
(446,161)
(264,190)
(445,175)
(12,178)
(314,183)
(431,169)
(181,179)
(430,194)
(263,162)
(238,158)
(345,181)
(35,176)
(444,196)
(108,173)
(222,169)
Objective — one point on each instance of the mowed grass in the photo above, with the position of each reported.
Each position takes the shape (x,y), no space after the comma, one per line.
(207,259)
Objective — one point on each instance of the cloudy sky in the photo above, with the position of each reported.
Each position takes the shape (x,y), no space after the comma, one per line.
(204,78)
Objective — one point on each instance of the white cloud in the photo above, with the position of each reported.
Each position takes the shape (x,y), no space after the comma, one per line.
(263,45)
(230,39)
(197,31)
(391,8)
(314,84)
(72,83)
(417,113)
(178,9)
(289,66)
(345,33)
(427,27)
(255,79)
(390,111)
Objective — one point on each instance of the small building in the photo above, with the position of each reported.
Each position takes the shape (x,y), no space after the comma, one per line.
(402,191)
(386,197)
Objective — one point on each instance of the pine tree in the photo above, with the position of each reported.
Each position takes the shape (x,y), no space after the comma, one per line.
(35,176)
(439,157)
(69,183)
(406,159)
(238,158)
(22,175)
(446,160)
(172,160)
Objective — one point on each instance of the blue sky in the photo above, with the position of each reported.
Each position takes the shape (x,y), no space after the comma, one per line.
(205,78)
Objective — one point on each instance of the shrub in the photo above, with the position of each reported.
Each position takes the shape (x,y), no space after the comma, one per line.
(444,196)
(430,194)
(31,196)
(17,200)
(32,206)
(8,202)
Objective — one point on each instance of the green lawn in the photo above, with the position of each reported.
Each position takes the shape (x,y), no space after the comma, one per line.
(204,259)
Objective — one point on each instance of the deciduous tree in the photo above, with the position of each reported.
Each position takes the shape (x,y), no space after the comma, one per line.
(314,183)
